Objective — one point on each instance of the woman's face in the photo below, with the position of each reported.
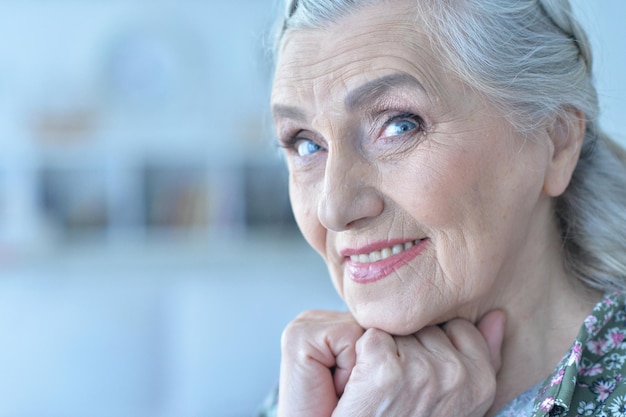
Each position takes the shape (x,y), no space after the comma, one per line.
(420,197)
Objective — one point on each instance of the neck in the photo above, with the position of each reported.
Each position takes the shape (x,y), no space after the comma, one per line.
(536,339)
(545,310)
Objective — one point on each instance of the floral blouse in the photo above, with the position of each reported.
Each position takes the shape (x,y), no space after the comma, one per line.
(589,379)
(587,382)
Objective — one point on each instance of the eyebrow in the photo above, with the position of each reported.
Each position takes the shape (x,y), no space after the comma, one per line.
(366,93)
(280,111)
(372,90)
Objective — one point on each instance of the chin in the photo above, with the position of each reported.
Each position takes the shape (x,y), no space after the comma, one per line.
(392,326)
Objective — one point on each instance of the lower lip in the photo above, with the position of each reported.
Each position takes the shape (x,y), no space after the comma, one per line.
(365,273)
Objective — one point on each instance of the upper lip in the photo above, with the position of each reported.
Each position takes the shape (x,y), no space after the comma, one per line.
(376,246)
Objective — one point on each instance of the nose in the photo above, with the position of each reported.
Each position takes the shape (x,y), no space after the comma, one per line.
(349,193)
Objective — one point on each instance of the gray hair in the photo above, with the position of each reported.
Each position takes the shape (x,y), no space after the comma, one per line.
(532,59)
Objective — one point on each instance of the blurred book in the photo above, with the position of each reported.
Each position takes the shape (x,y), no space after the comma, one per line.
(267,198)
(74,200)
(176,197)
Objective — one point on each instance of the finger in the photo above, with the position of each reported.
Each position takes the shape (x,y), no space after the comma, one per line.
(409,348)
(468,340)
(311,346)
(375,378)
(377,358)
(435,340)
(333,336)
(477,362)
(374,343)
(306,389)
(492,328)
(345,362)
(343,347)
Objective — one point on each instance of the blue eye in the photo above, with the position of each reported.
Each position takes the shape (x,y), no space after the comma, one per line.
(306,147)
(399,127)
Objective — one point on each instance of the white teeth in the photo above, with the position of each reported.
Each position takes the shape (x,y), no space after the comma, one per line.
(385,253)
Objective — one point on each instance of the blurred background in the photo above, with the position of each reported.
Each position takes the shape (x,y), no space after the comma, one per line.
(148,257)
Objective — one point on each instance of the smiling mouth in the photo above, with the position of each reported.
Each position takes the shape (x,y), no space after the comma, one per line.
(365,268)
(379,255)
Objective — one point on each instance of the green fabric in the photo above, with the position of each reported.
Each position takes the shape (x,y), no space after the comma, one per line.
(589,381)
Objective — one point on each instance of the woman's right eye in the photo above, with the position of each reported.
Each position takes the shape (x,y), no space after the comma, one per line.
(305,147)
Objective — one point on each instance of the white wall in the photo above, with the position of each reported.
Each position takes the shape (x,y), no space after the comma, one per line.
(166,333)
(605,21)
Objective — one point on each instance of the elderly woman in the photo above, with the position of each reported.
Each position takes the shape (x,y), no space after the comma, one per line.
(446,163)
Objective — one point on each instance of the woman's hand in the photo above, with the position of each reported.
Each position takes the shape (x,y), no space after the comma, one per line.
(332,367)
(318,355)
(439,371)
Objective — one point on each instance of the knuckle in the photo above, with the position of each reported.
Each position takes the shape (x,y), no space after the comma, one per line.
(310,315)
(423,372)
(389,376)
(458,373)
(458,328)
(289,335)
(482,385)
(297,328)
(320,325)
(373,352)
(371,341)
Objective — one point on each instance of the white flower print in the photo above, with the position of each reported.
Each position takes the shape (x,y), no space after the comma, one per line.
(591,324)
(603,388)
(602,413)
(588,368)
(585,408)
(547,404)
(618,406)
(608,301)
(614,361)
(575,354)
(615,336)
(598,347)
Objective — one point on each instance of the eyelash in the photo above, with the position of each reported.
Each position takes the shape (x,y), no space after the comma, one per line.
(292,139)
(419,122)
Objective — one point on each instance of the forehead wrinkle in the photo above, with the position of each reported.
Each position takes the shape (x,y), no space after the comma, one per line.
(330,56)
(372,90)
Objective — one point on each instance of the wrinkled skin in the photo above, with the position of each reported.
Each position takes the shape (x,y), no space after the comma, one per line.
(385,147)
(432,372)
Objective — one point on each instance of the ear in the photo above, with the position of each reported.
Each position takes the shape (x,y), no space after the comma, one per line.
(566,136)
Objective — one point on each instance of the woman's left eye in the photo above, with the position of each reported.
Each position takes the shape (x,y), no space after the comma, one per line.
(399,126)
(305,147)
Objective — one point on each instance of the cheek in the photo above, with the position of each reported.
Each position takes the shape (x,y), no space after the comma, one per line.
(455,198)
(304,205)
(432,187)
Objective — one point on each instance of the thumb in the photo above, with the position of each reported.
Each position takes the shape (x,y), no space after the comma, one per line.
(492,328)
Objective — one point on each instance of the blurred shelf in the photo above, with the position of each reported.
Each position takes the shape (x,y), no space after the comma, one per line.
(142,136)
(253,249)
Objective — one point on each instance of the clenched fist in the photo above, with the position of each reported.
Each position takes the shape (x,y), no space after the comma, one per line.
(332,367)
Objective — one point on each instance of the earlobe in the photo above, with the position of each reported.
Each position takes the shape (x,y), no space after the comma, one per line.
(566,135)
